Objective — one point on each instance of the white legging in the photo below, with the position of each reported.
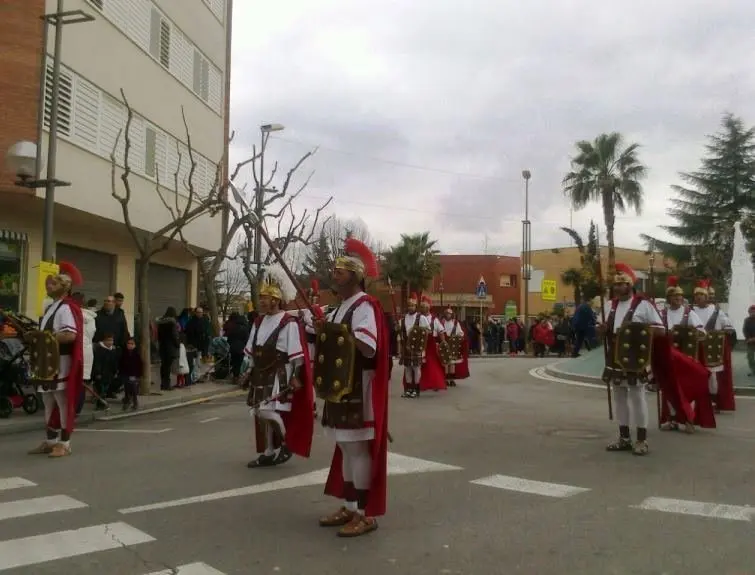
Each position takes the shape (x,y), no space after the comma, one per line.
(635,394)
(357,464)
(713,383)
(269,418)
(50,399)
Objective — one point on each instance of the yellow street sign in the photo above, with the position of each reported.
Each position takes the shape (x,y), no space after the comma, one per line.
(45,269)
(548,290)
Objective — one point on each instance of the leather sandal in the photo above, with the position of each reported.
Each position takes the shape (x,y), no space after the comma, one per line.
(59,450)
(358,526)
(43,448)
(640,448)
(341,517)
(620,445)
(262,461)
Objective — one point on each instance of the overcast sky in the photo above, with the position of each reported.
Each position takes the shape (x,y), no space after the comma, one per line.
(426,111)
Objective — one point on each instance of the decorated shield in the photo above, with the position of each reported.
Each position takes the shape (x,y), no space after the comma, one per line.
(713,348)
(416,341)
(455,345)
(335,355)
(684,339)
(634,346)
(44,356)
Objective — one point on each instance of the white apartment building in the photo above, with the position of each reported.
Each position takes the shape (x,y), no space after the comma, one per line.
(165,55)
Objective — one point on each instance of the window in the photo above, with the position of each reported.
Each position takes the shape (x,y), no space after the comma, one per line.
(507,280)
(97,4)
(217,7)
(201,76)
(65,101)
(150,151)
(159,39)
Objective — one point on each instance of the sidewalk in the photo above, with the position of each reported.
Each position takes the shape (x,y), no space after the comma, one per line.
(158,400)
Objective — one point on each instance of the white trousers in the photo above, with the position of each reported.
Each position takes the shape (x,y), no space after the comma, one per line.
(50,399)
(268,419)
(357,468)
(634,394)
(713,383)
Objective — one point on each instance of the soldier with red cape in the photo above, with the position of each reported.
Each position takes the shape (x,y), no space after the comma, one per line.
(682,380)
(458,368)
(357,421)
(715,350)
(280,394)
(433,376)
(413,359)
(63,318)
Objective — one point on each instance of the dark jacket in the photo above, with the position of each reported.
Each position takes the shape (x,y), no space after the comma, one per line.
(130,363)
(111,323)
(198,333)
(584,318)
(167,337)
(748,329)
(105,364)
(236,331)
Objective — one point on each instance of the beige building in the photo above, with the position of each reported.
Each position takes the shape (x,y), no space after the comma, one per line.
(546,288)
(165,55)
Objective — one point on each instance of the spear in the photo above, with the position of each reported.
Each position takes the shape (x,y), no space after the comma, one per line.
(599,270)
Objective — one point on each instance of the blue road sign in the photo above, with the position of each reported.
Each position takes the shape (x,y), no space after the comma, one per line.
(482,289)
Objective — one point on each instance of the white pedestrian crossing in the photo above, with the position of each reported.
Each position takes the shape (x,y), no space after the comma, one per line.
(7,483)
(190,569)
(530,486)
(38,506)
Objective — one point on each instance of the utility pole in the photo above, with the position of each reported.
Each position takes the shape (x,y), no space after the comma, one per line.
(526,256)
(259,196)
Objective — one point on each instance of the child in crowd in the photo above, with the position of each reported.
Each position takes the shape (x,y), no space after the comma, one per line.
(105,369)
(131,372)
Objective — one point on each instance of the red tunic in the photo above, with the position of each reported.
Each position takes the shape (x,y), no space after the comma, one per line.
(334,486)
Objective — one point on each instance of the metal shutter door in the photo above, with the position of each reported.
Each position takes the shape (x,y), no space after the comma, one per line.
(168,286)
(97,269)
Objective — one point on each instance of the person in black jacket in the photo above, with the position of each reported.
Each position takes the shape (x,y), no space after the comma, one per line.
(168,344)
(111,321)
(236,331)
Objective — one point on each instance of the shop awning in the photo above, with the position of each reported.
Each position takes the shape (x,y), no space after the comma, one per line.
(13,236)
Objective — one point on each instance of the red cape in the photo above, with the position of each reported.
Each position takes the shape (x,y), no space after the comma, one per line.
(75,381)
(462,368)
(300,425)
(433,376)
(724,399)
(682,381)
(378,446)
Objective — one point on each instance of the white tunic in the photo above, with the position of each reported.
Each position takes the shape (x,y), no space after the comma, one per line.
(436,326)
(63,322)
(364,328)
(309,328)
(674,317)
(722,322)
(644,313)
(289,342)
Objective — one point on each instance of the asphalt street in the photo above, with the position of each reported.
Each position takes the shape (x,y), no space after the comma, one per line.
(507,473)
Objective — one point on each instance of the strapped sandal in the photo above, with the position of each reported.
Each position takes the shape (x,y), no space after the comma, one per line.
(358,526)
(670,426)
(341,517)
(640,448)
(283,455)
(622,444)
(689,428)
(43,448)
(59,450)
(262,461)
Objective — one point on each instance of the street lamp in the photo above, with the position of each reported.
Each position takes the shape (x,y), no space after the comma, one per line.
(259,199)
(25,158)
(526,254)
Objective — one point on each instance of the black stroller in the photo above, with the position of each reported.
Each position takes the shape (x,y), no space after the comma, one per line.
(15,390)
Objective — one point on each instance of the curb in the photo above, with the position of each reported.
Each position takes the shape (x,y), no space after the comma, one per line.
(552,369)
(86,419)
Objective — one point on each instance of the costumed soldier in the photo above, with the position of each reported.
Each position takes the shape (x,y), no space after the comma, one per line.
(309,327)
(631,323)
(433,376)
(715,350)
(457,366)
(280,393)
(351,375)
(56,356)
(413,332)
(683,381)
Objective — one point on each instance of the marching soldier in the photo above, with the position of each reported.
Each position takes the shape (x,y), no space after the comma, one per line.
(433,372)
(683,380)
(413,331)
(715,350)
(307,320)
(56,360)
(455,337)
(631,323)
(280,393)
(351,375)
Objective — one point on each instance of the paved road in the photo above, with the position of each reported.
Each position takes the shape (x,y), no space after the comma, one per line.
(505,474)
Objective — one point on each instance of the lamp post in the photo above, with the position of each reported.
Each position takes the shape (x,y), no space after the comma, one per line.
(20,154)
(259,199)
(526,253)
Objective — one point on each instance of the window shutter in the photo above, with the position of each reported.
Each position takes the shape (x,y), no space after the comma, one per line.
(97,4)
(154,34)
(150,151)
(138,23)
(65,100)
(215,89)
(112,121)
(165,43)
(86,114)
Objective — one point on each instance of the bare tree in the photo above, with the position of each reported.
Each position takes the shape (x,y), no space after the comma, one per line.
(183,210)
(230,287)
(337,229)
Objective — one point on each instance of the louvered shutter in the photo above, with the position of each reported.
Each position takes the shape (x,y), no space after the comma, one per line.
(86,114)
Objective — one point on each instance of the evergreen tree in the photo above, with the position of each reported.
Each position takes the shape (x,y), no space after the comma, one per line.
(713,199)
(319,262)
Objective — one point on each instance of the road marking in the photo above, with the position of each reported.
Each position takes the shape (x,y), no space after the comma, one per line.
(7,483)
(171,406)
(137,431)
(191,569)
(698,508)
(397,465)
(38,506)
(209,419)
(26,551)
(529,486)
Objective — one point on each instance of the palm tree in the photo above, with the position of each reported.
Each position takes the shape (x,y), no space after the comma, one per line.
(604,171)
(412,263)
(572,277)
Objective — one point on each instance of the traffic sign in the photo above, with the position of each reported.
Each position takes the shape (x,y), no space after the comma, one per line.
(548,290)
(482,288)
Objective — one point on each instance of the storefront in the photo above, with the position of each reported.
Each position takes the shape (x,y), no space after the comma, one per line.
(167,286)
(12,256)
(97,269)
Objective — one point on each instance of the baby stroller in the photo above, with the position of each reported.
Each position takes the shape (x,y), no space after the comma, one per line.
(221,359)
(15,390)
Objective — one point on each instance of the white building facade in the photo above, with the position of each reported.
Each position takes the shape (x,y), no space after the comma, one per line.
(166,56)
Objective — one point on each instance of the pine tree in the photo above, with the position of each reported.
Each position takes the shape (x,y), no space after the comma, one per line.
(713,199)
(319,262)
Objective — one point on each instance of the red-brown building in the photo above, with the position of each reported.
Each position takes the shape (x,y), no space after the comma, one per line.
(456,285)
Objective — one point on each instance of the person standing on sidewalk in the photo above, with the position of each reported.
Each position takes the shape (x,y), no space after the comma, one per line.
(168,344)
(748,330)
(131,371)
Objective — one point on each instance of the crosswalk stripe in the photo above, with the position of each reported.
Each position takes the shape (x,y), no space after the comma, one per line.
(698,508)
(7,483)
(191,569)
(529,486)
(38,506)
(26,551)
